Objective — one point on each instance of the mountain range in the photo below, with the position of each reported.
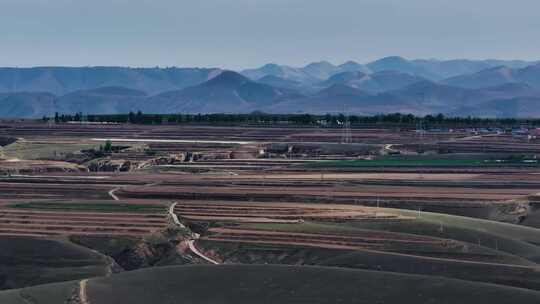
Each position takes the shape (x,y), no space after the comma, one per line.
(64,80)
(491,88)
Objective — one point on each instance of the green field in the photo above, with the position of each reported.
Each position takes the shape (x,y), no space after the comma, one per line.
(33,150)
(519,241)
(42,150)
(90,206)
(404,162)
(480,250)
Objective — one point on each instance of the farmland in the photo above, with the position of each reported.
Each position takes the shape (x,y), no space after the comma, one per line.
(440,208)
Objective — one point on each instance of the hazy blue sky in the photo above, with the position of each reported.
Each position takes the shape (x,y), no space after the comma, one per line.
(248,33)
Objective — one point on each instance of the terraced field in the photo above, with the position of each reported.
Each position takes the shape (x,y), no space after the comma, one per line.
(392,205)
(74,218)
(275,212)
(425,243)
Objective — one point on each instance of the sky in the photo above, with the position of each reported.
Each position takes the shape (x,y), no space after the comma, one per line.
(238,34)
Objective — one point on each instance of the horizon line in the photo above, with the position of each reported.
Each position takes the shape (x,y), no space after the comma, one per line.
(532,61)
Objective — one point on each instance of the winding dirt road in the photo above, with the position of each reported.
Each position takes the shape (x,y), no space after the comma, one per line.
(191,242)
(174,216)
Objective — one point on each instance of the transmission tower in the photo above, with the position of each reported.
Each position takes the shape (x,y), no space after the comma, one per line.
(346,136)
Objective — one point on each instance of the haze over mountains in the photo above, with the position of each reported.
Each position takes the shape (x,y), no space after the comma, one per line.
(491,88)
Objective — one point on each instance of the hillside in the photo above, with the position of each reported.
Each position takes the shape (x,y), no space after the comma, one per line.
(400,64)
(64,80)
(309,74)
(518,107)
(353,66)
(431,94)
(229,92)
(387,85)
(105,100)
(322,69)
(25,104)
(437,70)
(233,93)
(484,78)
(339,98)
(26,261)
(272,284)
(376,82)
(281,71)
(499,75)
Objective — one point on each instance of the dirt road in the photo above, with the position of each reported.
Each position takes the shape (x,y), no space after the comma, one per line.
(111,193)
(173,141)
(191,243)
(174,216)
(83,297)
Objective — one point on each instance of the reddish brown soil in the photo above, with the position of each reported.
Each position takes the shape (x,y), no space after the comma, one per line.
(266,212)
(367,240)
(45,223)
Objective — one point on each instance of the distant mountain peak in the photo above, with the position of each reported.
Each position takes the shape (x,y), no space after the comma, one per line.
(392,59)
(321,70)
(400,64)
(227,78)
(375,82)
(271,67)
(320,64)
(353,66)
(349,63)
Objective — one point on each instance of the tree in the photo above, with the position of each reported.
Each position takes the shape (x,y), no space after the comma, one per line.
(107,147)
(139,117)
(131,117)
(328,118)
(440,118)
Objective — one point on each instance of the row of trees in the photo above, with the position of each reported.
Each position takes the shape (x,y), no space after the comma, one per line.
(295,119)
